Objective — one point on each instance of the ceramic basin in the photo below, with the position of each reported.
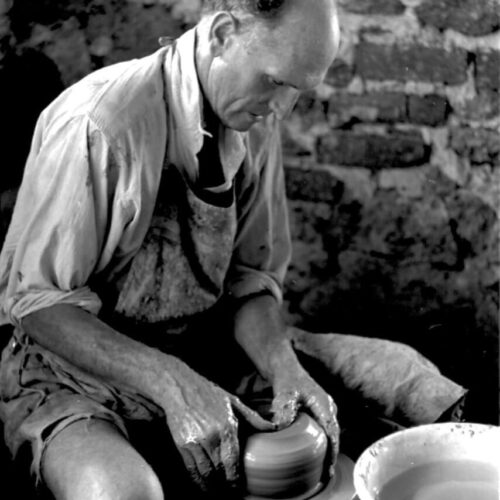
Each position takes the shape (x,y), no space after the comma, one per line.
(431,462)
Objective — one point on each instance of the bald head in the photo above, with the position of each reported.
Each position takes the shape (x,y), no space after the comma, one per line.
(260,10)
(310,28)
(304,37)
(253,64)
(265,9)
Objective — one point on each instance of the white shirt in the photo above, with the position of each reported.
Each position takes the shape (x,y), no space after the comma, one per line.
(92,177)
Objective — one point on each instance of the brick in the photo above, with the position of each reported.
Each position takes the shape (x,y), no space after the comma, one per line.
(374,107)
(339,74)
(381,7)
(69,50)
(5,6)
(99,25)
(138,29)
(482,106)
(470,17)
(479,146)
(411,63)
(311,109)
(308,219)
(475,224)
(311,185)
(374,151)
(431,110)
(46,12)
(488,70)
(294,140)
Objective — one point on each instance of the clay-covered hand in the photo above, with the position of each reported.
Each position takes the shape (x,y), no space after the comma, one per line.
(296,389)
(203,421)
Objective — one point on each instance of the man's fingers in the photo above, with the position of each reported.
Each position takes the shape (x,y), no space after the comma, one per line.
(326,415)
(251,416)
(208,464)
(192,467)
(212,449)
(230,456)
(285,407)
(334,451)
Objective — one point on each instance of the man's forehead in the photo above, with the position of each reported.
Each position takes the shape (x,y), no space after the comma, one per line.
(298,73)
(313,31)
(301,57)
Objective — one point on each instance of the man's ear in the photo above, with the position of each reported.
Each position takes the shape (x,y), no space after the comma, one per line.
(222,30)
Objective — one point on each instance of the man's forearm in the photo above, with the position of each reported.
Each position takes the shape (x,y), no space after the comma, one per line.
(85,341)
(261,332)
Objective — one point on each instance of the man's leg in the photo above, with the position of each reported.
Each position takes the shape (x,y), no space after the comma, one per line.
(90,459)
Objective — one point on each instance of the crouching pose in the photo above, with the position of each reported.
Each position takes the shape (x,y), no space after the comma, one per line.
(143,268)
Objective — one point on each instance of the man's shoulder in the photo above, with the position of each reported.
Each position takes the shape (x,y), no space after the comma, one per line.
(117,96)
(128,92)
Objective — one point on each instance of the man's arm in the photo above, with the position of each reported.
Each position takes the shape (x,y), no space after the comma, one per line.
(260,330)
(199,414)
(91,345)
(262,253)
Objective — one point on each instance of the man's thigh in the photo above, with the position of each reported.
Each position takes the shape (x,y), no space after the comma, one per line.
(92,459)
(40,398)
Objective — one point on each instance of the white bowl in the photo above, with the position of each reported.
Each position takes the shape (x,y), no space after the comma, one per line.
(431,461)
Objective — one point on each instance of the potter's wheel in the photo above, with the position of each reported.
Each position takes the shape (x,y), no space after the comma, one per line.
(340,487)
(289,465)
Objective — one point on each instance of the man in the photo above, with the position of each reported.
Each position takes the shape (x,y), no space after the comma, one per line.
(83,212)
(153,206)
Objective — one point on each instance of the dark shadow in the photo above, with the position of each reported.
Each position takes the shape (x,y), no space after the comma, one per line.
(29,81)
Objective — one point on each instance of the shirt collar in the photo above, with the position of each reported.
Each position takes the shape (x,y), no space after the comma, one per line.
(185,115)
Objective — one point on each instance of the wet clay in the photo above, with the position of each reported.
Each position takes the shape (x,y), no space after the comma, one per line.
(288,463)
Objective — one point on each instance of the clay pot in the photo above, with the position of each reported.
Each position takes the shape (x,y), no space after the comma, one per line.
(287,463)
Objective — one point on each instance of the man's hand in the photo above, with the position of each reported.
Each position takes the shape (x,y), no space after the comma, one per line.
(261,331)
(202,419)
(294,390)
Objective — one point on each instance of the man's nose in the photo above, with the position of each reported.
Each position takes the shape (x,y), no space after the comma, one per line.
(283,101)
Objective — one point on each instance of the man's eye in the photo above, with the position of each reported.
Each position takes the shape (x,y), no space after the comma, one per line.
(276,83)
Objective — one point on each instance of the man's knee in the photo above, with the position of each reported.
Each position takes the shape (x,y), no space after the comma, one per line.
(122,482)
(92,460)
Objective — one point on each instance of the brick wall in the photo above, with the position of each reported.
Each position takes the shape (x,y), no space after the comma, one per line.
(392,165)
(394,184)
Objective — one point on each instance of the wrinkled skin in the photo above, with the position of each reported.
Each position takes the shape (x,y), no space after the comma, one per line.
(296,390)
(202,418)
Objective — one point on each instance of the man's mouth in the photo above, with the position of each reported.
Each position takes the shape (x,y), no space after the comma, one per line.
(256,116)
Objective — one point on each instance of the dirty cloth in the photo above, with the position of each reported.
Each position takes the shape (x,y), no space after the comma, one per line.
(391,377)
(92,178)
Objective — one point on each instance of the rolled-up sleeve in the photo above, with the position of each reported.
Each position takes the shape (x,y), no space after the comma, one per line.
(57,228)
(263,248)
